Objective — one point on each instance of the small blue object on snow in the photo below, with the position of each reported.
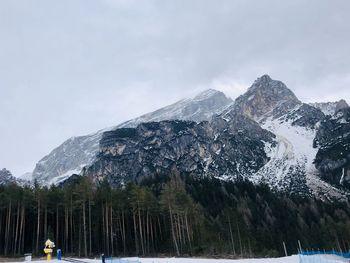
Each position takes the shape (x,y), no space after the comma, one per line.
(59,254)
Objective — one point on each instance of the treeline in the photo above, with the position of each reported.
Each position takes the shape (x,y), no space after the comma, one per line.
(179,215)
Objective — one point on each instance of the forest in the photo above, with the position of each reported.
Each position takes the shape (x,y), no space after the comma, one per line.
(173,216)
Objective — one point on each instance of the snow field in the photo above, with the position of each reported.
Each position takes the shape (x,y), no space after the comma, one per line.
(290,259)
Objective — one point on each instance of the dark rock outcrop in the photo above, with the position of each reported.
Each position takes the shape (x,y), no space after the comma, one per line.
(218,149)
(333,141)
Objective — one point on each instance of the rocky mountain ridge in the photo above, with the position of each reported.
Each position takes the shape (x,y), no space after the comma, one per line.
(265,136)
(132,154)
(77,152)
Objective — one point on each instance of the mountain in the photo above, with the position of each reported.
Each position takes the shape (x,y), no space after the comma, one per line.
(266,136)
(330,108)
(6,177)
(77,152)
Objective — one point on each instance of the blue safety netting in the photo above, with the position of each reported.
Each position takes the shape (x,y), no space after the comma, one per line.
(323,257)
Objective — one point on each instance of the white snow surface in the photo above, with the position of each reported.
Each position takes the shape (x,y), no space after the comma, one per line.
(294,149)
(61,178)
(183,110)
(290,259)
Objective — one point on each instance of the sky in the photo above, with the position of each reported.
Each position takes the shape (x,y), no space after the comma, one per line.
(72,67)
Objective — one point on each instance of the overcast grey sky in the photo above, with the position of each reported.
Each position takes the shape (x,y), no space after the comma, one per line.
(73,67)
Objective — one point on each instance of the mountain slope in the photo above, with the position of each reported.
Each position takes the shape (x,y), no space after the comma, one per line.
(265,136)
(295,124)
(275,107)
(75,153)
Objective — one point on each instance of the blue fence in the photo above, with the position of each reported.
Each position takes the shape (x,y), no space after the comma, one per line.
(323,257)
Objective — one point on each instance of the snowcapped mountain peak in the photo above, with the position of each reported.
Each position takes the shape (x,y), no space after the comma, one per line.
(207,94)
(197,109)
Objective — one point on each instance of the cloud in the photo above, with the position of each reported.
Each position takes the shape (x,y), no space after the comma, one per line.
(74,67)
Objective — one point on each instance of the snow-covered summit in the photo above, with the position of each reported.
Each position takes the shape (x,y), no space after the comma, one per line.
(207,94)
(197,109)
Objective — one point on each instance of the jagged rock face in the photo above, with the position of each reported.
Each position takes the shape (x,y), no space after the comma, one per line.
(77,152)
(6,177)
(333,141)
(266,136)
(276,108)
(330,108)
(268,98)
(265,96)
(218,149)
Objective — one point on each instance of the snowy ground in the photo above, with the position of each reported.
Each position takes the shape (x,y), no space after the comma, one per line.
(291,259)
